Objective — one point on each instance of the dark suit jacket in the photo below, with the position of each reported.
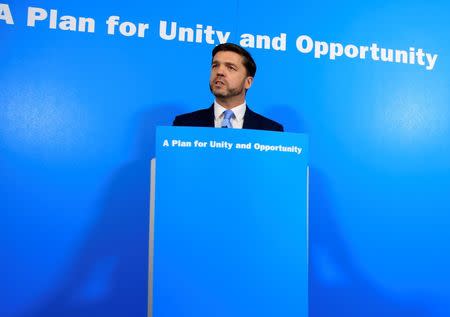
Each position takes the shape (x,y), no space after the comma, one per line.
(205,118)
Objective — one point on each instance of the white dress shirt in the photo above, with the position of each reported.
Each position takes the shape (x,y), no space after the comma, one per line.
(237,120)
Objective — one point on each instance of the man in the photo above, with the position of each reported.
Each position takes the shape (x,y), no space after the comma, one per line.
(232,73)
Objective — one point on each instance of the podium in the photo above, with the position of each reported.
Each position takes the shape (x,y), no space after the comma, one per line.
(228,224)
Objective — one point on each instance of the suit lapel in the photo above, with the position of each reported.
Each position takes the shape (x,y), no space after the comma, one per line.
(208,119)
(249,119)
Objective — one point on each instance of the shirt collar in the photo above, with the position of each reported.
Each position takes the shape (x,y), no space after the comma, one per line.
(238,111)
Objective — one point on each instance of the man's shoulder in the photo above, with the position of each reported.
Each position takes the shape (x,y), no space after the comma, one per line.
(257,121)
(202,117)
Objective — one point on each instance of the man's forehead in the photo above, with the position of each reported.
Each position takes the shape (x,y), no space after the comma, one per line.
(228,57)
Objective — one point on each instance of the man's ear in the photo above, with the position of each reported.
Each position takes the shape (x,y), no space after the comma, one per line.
(248,82)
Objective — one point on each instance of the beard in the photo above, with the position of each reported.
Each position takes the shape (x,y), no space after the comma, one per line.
(226,92)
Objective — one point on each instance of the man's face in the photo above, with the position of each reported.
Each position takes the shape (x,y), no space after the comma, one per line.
(229,79)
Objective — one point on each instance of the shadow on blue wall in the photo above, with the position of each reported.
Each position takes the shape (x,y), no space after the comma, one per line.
(109,275)
(337,287)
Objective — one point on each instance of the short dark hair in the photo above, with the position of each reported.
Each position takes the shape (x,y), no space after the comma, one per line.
(247,59)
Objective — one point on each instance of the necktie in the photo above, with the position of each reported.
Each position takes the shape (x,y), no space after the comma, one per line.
(227,115)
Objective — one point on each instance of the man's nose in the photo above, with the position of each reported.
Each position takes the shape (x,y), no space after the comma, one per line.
(220,70)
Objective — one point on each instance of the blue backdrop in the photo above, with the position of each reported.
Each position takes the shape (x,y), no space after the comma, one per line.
(78,112)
